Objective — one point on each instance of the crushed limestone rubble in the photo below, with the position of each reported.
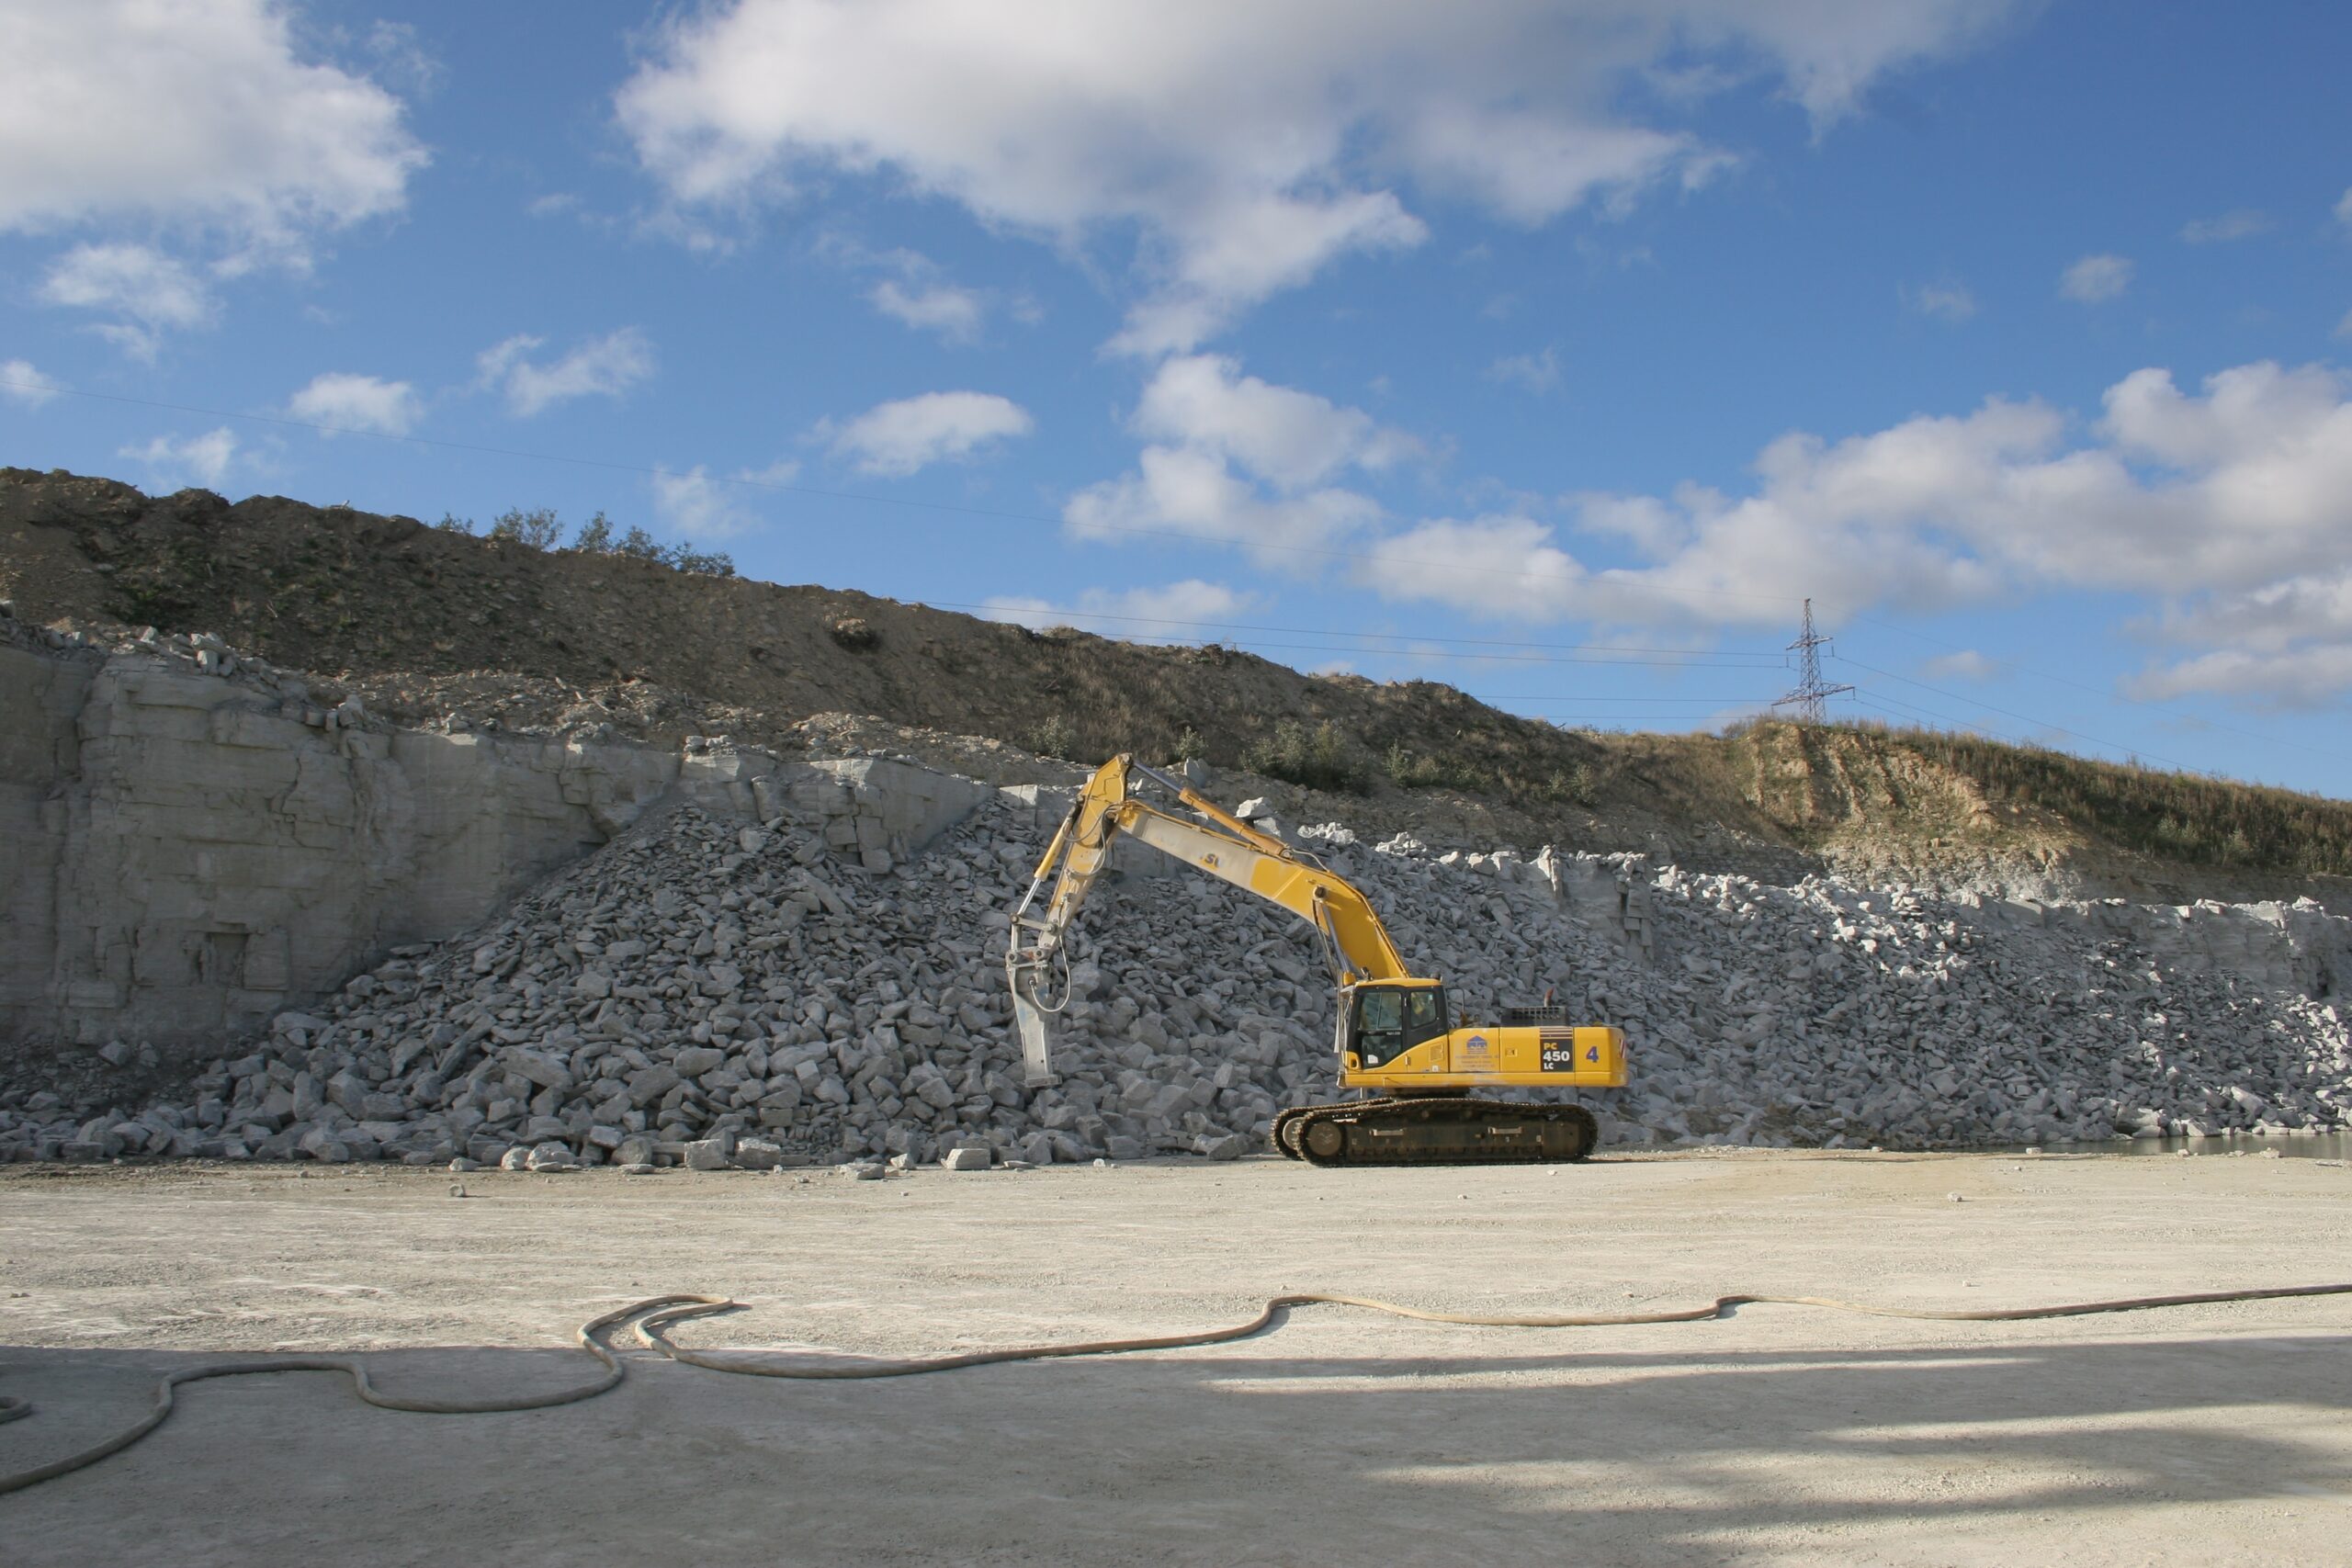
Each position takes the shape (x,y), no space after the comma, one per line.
(705,994)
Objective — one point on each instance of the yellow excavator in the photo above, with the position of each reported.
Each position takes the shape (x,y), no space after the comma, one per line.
(1397,1037)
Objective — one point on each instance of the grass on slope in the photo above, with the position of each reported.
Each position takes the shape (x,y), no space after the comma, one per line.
(2164,814)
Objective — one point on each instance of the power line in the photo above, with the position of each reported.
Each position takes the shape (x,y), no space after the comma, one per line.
(1693,658)
(1619,721)
(1880,702)
(1392,637)
(2020,717)
(1250,643)
(2106,694)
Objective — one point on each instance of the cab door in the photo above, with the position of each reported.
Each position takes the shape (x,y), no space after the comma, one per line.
(1378,1037)
(1425,1021)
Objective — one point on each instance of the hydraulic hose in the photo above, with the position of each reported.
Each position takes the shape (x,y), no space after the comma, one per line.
(653,1317)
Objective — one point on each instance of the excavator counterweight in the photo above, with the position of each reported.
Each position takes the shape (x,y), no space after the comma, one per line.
(1396,1035)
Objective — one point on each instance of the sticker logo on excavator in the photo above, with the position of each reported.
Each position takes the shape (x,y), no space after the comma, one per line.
(1563,1058)
(1476,1057)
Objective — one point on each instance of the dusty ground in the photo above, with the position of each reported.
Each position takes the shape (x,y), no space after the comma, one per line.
(1782,1435)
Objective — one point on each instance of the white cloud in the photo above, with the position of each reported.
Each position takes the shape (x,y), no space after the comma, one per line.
(1187,492)
(23,384)
(2228,504)
(347,402)
(900,437)
(2344,327)
(1237,458)
(2308,676)
(1539,373)
(493,364)
(2286,643)
(1965,665)
(1289,438)
(1246,147)
(953,313)
(146,291)
(2242,224)
(2271,619)
(916,292)
(2233,500)
(197,115)
(1181,611)
(402,60)
(2177,493)
(780,473)
(1255,248)
(204,459)
(1654,528)
(2095,279)
(701,508)
(604,367)
(2343,207)
(1468,564)
(1945,301)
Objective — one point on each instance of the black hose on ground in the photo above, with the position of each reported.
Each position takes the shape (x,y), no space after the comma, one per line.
(653,1317)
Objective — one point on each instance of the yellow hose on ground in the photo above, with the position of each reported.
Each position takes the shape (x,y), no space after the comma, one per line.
(653,1317)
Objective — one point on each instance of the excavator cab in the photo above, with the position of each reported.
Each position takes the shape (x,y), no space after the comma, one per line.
(1386,1021)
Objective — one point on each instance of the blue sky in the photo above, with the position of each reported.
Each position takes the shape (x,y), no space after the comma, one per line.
(1558,351)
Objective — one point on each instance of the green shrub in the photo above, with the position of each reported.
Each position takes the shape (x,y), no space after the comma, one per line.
(538,528)
(1407,770)
(1317,760)
(707,563)
(1055,737)
(596,536)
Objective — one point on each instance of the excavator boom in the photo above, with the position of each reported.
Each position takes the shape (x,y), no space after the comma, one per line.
(1394,1032)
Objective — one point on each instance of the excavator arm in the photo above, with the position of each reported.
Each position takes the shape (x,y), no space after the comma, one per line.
(1356,946)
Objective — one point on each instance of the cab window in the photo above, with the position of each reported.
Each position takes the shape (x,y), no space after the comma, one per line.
(1380,1026)
(1424,1016)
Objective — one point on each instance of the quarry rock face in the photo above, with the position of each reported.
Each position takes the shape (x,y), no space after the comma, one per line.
(546,952)
(195,844)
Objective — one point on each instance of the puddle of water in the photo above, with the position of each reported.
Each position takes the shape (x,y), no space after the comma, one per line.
(2299,1145)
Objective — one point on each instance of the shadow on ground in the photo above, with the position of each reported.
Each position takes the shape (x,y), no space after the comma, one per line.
(2101,1449)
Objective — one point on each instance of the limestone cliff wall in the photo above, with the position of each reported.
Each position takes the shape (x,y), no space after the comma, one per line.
(183,854)
(40,747)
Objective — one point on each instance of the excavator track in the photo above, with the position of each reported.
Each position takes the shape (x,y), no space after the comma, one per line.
(1285,1130)
(1436,1130)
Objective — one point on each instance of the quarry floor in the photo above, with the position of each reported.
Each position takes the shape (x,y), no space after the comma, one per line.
(1781,1435)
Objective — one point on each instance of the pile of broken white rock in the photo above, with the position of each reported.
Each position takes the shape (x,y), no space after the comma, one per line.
(698,994)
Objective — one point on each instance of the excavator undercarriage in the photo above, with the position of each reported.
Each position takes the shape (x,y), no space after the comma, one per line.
(1436,1130)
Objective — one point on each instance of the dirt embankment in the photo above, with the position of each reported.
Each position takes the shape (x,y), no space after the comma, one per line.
(436,627)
